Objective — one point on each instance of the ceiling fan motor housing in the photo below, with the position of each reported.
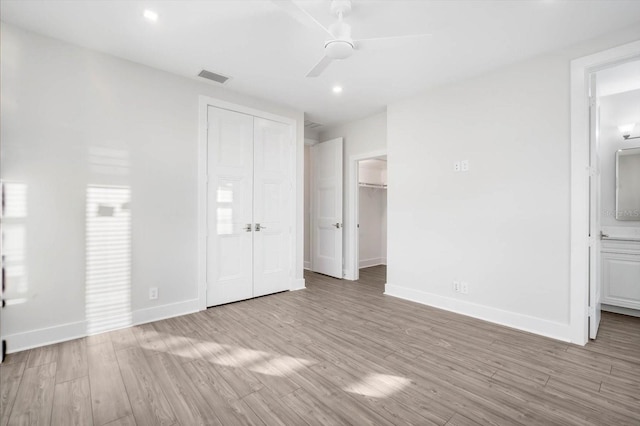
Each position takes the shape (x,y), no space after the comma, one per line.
(338,49)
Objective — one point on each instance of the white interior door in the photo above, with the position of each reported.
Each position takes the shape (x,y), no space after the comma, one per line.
(272,238)
(595,278)
(326,202)
(229,198)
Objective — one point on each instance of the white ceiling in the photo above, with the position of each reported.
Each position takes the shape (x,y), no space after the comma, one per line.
(267,53)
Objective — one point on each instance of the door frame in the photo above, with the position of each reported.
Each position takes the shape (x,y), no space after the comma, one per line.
(581,68)
(204,102)
(352,240)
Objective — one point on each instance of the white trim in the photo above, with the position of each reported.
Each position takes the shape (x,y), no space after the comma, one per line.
(579,267)
(621,310)
(75,330)
(310,142)
(366,263)
(203,103)
(298,284)
(157,313)
(352,212)
(554,330)
(45,336)
(307,265)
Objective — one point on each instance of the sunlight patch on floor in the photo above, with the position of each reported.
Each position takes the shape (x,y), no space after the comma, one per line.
(378,385)
(261,362)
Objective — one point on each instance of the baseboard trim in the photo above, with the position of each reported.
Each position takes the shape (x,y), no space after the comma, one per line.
(75,330)
(298,284)
(157,313)
(375,261)
(45,336)
(552,329)
(621,310)
(307,265)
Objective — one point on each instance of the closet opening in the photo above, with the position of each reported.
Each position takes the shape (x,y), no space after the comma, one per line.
(371,213)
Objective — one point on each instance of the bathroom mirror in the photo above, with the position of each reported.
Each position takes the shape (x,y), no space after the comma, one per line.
(628,184)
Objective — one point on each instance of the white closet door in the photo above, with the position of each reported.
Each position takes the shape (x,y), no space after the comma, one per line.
(229,197)
(272,239)
(327,208)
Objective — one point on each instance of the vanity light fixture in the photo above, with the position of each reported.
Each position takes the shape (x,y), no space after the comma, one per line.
(626,130)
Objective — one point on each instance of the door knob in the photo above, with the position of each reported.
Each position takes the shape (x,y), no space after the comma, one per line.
(247,228)
(259,227)
(337,225)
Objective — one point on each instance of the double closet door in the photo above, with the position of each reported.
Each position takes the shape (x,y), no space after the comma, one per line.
(250,163)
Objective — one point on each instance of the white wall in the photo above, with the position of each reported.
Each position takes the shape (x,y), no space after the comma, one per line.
(61,105)
(503,226)
(360,137)
(621,108)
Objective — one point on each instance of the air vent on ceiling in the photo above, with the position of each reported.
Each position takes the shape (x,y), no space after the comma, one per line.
(308,124)
(218,78)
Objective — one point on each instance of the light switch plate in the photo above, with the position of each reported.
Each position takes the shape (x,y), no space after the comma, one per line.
(464,165)
(456,166)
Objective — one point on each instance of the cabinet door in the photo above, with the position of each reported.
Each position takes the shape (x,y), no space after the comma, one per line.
(621,279)
(272,192)
(229,199)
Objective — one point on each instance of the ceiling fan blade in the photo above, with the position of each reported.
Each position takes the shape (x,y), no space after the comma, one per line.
(387,42)
(320,66)
(299,14)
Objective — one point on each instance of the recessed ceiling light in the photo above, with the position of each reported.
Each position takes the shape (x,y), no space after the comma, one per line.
(337,89)
(150,15)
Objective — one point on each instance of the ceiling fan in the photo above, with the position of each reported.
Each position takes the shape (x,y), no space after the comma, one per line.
(339,45)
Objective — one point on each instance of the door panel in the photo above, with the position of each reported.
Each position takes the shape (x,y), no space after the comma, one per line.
(229,198)
(327,208)
(273,171)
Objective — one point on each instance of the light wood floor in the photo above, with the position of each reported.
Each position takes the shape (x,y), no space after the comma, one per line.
(337,353)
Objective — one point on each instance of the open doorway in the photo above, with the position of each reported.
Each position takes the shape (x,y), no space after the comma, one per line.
(371,213)
(615,191)
(586,272)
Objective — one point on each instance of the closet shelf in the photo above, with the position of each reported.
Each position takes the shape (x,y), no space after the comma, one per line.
(372,185)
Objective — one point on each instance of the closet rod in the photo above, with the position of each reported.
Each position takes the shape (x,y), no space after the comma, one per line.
(372,185)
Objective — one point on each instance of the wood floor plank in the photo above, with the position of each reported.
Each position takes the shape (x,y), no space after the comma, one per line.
(339,352)
(123,339)
(109,398)
(34,400)
(42,355)
(460,420)
(270,409)
(148,402)
(149,338)
(16,357)
(72,403)
(10,377)
(124,421)
(96,339)
(187,403)
(71,360)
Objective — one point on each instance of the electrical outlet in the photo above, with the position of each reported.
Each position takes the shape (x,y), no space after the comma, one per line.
(456,166)
(464,165)
(153,293)
(464,287)
(456,286)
